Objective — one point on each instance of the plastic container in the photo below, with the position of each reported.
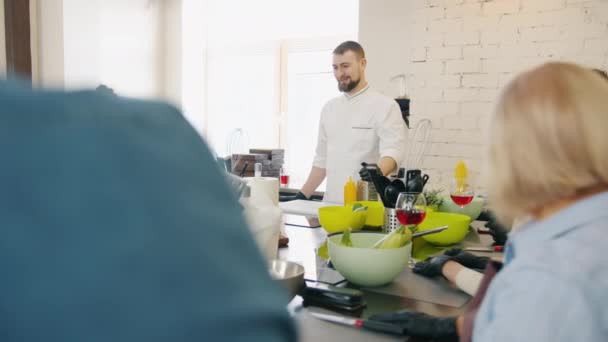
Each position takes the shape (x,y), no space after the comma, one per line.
(350,191)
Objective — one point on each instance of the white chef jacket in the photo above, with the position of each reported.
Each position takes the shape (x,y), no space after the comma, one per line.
(353,129)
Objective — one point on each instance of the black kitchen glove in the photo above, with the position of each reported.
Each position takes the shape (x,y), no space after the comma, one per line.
(365,175)
(498,231)
(467,259)
(419,324)
(287,198)
(431,267)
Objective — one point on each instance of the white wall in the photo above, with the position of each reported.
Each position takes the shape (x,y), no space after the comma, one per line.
(457,54)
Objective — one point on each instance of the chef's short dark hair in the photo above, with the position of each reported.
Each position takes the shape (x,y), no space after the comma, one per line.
(350,45)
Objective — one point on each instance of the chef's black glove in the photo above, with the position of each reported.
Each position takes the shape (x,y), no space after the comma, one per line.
(498,231)
(287,198)
(467,259)
(365,174)
(431,267)
(418,324)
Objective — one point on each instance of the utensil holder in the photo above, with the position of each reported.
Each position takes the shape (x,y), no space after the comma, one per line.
(390,220)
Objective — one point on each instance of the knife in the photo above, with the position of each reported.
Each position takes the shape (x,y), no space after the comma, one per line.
(360,323)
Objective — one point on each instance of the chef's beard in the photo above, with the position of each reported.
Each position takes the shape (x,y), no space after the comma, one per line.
(348,86)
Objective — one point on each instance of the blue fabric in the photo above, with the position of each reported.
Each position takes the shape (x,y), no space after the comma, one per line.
(554,286)
(116,225)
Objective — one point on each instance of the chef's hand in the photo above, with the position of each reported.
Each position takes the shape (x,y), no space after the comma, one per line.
(418,324)
(431,267)
(467,259)
(498,231)
(365,175)
(298,196)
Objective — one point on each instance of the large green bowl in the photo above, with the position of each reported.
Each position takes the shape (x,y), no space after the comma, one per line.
(336,219)
(366,266)
(458,227)
(472,209)
(375,213)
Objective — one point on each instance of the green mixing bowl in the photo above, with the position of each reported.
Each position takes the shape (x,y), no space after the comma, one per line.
(458,227)
(375,213)
(363,265)
(336,219)
(472,209)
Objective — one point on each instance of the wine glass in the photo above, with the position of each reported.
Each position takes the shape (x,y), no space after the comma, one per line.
(462,191)
(410,209)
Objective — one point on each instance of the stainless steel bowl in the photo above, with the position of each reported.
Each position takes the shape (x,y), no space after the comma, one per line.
(289,274)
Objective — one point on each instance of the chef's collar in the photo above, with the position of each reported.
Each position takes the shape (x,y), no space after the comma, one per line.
(349,97)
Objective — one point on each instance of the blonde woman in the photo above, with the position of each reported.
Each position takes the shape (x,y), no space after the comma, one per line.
(548,160)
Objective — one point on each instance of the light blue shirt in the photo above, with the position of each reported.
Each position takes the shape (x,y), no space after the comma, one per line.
(554,284)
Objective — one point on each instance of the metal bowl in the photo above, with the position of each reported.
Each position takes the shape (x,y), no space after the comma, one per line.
(289,274)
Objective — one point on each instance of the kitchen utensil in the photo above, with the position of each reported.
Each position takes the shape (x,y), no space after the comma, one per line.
(289,274)
(430,231)
(458,227)
(417,144)
(242,173)
(473,209)
(360,323)
(415,181)
(380,182)
(391,191)
(364,265)
(337,218)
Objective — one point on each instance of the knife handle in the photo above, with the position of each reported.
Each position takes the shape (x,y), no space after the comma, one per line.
(380,326)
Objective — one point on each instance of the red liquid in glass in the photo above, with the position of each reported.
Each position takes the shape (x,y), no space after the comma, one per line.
(462,200)
(284,179)
(411,217)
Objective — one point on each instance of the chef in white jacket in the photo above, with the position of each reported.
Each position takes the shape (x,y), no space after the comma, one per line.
(361,125)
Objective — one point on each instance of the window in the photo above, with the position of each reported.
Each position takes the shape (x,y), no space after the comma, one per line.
(271,79)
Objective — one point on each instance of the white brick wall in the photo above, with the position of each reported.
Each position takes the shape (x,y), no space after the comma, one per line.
(462,52)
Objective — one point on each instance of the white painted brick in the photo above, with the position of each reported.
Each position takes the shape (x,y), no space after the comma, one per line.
(440,162)
(443,108)
(558,49)
(420,4)
(585,30)
(426,94)
(591,61)
(595,47)
(538,34)
(500,37)
(519,20)
(435,13)
(459,122)
(481,23)
(500,7)
(487,95)
(455,135)
(450,3)
(444,81)
(443,53)
(461,94)
(477,108)
(575,1)
(566,16)
(429,39)
(445,25)
(542,5)
(435,68)
(419,55)
(462,66)
(504,65)
(455,150)
(505,78)
(480,51)
(480,80)
(519,50)
(463,10)
(461,38)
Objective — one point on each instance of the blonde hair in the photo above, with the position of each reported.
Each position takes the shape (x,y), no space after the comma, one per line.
(549,139)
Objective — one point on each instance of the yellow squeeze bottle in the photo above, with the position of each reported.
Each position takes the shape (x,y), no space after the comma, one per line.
(460,173)
(350,192)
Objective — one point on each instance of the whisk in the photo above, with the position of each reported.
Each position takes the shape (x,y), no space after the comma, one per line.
(417,144)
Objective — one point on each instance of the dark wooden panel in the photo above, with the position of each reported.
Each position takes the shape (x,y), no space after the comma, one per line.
(18,48)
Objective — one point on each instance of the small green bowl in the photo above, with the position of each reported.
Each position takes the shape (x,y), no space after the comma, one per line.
(366,266)
(336,219)
(375,213)
(458,227)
